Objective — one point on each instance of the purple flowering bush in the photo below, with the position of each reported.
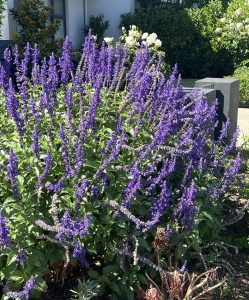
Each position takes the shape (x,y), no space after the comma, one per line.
(94,158)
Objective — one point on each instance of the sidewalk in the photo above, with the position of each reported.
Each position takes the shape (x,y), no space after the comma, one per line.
(243,123)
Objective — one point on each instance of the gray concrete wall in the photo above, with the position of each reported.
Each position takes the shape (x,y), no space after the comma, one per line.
(228,98)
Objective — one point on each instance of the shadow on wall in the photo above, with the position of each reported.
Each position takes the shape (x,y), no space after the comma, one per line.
(220,114)
(182,41)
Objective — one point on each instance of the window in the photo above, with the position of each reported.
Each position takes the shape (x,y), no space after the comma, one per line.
(59,14)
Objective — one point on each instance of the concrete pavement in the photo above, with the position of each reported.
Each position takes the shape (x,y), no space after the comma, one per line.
(243,123)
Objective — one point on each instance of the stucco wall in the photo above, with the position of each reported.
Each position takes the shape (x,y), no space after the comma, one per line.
(77,15)
(75,21)
(8,26)
(111,9)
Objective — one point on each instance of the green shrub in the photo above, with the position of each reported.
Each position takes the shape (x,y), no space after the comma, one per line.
(226,29)
(181,40)
(98,25)
(109,166)
(201,40)
(242,73)
(161,3)
(33,19)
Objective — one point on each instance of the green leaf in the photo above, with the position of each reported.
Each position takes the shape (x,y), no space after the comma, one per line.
(92,164)
(141,278)
(115,288)
(21,180)
(130,293)
(110,269)
(143,243)
(93,274)
(16,276)
(11,260)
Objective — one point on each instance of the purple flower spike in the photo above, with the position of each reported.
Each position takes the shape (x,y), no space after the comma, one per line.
(52,74)
(159,206)
(65,151)
(30,285)
(13,109)
(46,171)
(12,175)
(7,61)
(4,234)
(80,193)
(66,61)
(21,257)
(187,208)
(36,144)
(78,228)
(35,67)
(79,252)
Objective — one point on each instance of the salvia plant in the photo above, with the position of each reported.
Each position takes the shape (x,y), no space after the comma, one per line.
(93,158)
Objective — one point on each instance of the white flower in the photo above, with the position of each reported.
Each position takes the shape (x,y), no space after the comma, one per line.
(239,25)
(237,12)
(218,29)
(153,35)
(223,20)
(145,35)
(158,43)
(151,39)
(133,27)
(247,20)
(108,40)
(134,33)
(129,41)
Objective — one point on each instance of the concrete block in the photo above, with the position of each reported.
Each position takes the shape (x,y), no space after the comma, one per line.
(227,93)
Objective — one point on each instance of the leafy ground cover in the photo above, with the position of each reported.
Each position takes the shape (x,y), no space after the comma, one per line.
(109,173)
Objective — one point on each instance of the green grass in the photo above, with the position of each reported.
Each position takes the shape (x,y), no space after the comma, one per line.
(189,82)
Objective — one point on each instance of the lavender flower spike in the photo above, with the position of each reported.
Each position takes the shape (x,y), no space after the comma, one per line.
(4,234)
(21,257)
(46,171)
(80,253)
(66,61)
(187,208)
(12,174)
(30,285)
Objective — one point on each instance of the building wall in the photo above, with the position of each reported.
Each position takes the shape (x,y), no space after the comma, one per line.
(111,9)
(75,14)
(9,25)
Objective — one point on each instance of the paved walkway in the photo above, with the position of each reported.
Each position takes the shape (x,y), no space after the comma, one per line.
(243,123)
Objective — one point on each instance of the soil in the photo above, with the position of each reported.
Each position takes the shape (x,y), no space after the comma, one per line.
(241,266)
(239,289)
(56,292)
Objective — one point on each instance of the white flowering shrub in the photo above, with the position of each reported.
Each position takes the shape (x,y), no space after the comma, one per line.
(135,37)
(242,73)
(213,36)
(227,29)
(233,31)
